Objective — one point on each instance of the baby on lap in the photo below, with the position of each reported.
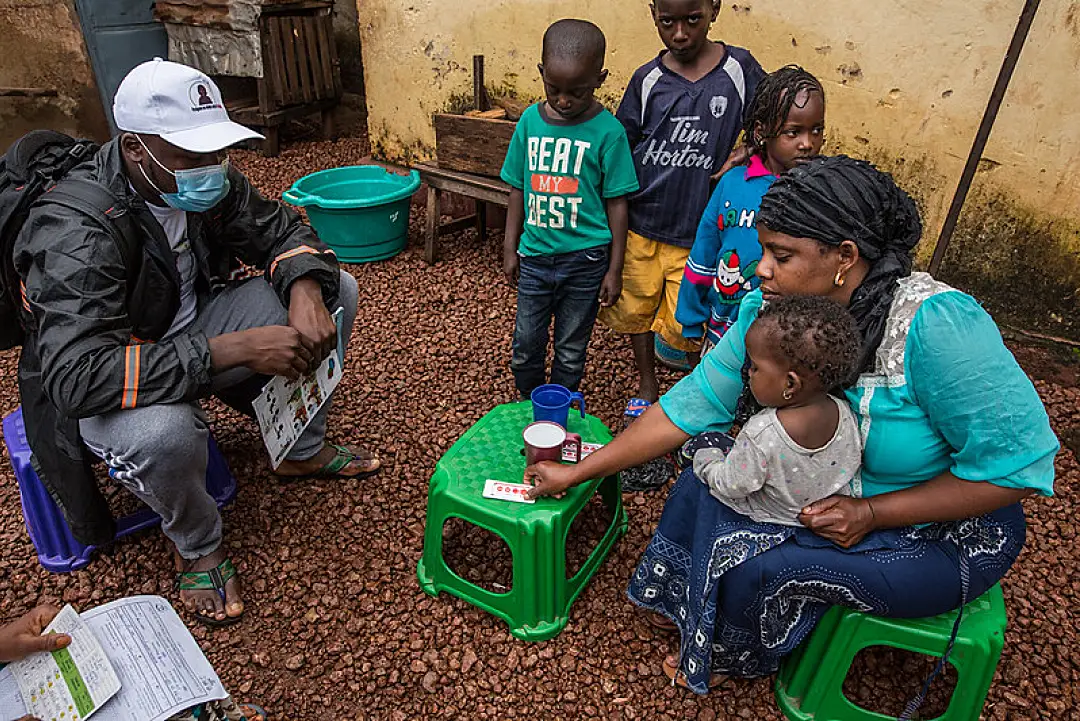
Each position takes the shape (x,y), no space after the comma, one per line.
(805,444)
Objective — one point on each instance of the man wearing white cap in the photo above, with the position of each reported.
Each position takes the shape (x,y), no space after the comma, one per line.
(126,340)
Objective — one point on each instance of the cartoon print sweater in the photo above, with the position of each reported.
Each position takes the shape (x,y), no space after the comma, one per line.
(724,258)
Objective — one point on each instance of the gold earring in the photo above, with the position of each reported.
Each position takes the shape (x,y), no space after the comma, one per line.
(838,281)
(788,394)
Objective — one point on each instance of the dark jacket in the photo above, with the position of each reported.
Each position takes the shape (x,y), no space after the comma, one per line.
(96,314)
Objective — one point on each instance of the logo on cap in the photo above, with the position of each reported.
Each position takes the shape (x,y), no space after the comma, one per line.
(199,93)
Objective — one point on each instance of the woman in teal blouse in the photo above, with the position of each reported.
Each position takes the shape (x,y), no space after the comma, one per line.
(954,436)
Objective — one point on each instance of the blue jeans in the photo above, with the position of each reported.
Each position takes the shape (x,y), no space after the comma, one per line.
(568,287)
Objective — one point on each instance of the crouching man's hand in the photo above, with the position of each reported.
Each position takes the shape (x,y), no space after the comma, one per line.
(273,350)
(308,314)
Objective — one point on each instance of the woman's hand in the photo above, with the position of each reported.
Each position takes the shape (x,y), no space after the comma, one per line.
(842,519)
(22,637)
(549,479)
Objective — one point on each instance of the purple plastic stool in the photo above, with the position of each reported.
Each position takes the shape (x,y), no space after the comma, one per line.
(57,549)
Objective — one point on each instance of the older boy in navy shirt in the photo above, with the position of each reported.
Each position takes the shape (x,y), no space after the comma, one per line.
(683,113)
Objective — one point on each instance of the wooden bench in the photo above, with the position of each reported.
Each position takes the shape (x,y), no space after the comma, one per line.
(480,188)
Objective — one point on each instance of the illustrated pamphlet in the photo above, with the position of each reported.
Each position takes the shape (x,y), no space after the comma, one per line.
(285,408)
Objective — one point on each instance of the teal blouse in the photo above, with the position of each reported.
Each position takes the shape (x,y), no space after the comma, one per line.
(945,395)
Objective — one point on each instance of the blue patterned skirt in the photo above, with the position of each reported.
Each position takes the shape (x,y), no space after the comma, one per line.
(744,594)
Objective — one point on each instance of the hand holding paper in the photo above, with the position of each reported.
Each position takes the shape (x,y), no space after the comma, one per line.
(23,637)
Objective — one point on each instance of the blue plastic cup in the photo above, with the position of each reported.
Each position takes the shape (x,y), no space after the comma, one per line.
(551,402)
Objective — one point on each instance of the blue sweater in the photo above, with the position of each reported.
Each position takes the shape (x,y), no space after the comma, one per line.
(721,266)
(680,133)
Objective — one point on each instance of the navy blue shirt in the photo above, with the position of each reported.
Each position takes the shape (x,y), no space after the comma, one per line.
(680,134)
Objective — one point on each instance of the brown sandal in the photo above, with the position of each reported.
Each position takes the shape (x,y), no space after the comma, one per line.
(671,670)
(661,622)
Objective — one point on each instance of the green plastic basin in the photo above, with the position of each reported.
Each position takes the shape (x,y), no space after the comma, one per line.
(361,211)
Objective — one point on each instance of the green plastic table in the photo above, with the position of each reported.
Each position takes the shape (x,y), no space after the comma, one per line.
(809,685)
(538,603)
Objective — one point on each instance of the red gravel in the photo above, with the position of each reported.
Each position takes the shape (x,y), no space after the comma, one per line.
(337,626)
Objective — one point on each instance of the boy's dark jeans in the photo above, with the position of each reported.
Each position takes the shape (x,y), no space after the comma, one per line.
(568,287)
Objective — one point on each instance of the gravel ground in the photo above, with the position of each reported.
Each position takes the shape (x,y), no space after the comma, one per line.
(337,627)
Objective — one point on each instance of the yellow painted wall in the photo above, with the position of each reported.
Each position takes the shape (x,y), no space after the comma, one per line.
(906,81)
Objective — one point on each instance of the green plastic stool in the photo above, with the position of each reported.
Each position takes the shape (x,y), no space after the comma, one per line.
(538,603)
(809,685)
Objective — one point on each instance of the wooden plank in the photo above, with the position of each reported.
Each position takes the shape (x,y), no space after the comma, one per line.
(514,108)
(470,191)
(303,59)
(493,114)
(472,145)
(479,94)
(432,234)
(433,172)
(252,116)
(314,53)
(326,63)
(332,46)
(271,74)
(288,44)
(277,65)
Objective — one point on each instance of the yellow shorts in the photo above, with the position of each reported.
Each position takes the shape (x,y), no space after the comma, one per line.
(652,273)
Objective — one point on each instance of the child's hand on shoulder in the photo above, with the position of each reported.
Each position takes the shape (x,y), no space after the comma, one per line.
(511,265)
(610,288)
(740,155)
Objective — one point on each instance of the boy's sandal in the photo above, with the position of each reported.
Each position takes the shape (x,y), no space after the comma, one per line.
(213,579)
(635,407)
(679,679)
(334,467)
(253,713)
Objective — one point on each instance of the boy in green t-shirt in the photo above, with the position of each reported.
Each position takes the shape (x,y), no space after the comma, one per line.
(571,170)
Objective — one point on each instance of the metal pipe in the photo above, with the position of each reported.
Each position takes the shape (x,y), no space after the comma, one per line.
(1008,65)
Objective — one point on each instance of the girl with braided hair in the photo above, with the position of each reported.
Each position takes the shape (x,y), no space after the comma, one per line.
(954,436)
(784,127)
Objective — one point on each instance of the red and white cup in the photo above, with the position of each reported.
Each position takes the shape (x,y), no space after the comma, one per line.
(545,440)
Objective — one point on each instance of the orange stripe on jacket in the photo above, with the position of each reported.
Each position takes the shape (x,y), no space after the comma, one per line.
(138,371)
(300,250)
(131,375)
(25,300)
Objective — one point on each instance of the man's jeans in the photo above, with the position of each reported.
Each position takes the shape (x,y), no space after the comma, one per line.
(568,287)
(159,452)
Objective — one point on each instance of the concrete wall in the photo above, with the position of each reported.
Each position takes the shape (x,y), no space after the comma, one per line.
(906,82)
(41,46)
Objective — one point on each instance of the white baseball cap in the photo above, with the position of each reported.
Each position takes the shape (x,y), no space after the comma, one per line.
(180,104)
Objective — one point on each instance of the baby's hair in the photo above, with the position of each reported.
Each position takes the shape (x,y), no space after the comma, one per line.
(817,335)
(578,40)
(772,102)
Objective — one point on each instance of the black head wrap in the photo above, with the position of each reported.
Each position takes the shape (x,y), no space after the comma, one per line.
(838,198)
(833,199)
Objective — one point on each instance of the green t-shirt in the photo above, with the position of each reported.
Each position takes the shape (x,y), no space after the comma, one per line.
(565,173)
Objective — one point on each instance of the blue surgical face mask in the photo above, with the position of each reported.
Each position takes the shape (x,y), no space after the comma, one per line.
(197,190)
